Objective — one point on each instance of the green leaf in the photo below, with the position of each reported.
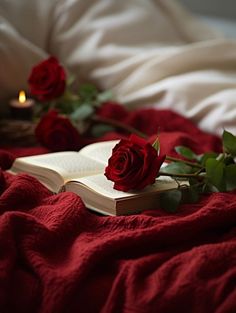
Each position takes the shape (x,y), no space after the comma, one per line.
(100,129)
(177,168)
(70,80)
(186,152)
(65,107)
(215,173)
(170,200)
(230,177)
(75,104)
(229,160)
(82,112)
(191,194)
(208,188)
(229,143)
(104,96)
(193,181)
(88,92)
(204,157)
(156,145)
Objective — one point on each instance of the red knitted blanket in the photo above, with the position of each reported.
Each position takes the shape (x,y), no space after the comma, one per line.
(56,256)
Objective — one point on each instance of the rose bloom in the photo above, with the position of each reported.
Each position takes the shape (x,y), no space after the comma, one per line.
(134,164)
(56,132)
(47,80)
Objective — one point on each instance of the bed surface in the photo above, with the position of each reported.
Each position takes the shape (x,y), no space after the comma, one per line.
(57,256)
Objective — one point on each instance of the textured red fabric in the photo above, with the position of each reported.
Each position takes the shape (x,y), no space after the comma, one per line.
(56,256)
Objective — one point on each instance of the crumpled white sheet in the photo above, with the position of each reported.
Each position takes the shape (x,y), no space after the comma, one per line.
(149,53)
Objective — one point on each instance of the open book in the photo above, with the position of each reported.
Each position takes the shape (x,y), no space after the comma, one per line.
(83,173)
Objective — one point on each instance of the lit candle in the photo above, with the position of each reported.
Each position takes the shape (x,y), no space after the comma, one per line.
(22,108)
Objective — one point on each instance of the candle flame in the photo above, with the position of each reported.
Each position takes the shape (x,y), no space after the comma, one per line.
(22,96)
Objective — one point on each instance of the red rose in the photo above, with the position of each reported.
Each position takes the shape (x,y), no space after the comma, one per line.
(56,132)
(112,110)
(47,80)
(134,164)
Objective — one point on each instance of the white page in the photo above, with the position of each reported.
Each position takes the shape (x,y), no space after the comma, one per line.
(99,151)
(90,160)
(68,164)
(100,184)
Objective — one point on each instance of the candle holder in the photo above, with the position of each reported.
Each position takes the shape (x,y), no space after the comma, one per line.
(22,108)
(17,133)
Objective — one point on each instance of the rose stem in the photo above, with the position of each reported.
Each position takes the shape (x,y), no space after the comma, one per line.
(114,123)
(133,130)
(169,158)
(179,175)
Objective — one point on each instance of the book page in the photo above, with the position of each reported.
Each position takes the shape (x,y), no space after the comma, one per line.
(99,151)
(68,164)
(100,184)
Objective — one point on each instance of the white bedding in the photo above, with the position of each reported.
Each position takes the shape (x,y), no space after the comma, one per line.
(226,26)
(149,53)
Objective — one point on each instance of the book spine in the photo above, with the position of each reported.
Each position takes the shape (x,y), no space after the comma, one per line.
(62,189)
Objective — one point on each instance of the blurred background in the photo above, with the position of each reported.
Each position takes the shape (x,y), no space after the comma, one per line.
(220,8)
(221,14)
